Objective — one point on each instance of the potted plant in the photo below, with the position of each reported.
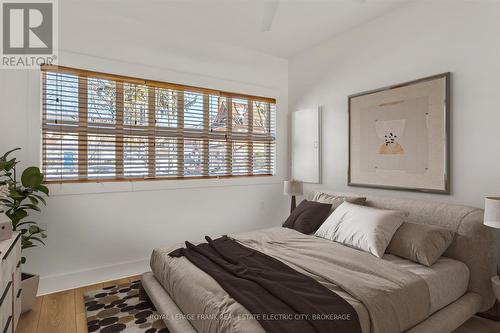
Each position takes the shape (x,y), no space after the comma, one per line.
(19,198)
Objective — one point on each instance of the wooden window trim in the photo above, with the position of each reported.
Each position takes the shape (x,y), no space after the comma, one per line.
(139,179)
(119,144)
(82,118)
(250,142)
(206,133)
(151,132)
(229,139)
(268,146)
(180,131)
(44,120)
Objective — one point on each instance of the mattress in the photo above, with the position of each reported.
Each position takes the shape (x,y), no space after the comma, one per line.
(447,280)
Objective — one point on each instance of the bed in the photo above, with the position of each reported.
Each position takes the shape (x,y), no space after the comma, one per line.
(458,285)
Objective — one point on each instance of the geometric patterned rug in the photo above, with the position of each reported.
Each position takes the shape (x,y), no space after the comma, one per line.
(118,309)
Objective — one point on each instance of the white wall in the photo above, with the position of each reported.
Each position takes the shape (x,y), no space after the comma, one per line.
(104,231)
(417,40)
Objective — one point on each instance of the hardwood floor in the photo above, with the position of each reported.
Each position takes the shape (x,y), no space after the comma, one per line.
(64,312)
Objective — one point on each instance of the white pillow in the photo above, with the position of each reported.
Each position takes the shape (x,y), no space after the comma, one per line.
(364,228)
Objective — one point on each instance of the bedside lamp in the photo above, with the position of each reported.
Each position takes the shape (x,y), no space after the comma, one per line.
(492,219)
(292,188)
(492,213)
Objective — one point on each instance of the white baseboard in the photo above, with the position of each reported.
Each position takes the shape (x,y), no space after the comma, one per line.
(60,282)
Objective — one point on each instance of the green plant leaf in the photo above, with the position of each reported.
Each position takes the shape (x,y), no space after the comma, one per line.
(16,215)
(38,240)
(10,164)
(33,199)
(39,197)
(16,194)
(34,229)
(43,188)
(9,152)
(7,166)
(32,177)
(30,206)
(21,214)
(25,223)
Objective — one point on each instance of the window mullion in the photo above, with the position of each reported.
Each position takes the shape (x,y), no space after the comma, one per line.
(180,130)
(269,158)
(44,122)
(119,140)
(250,137)
(206,125)
(229,136)
(83,124)
(151,132)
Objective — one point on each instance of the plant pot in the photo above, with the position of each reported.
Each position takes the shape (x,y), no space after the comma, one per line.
(495,281)
(29,284)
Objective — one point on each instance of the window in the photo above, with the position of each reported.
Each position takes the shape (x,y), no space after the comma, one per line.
(99,126)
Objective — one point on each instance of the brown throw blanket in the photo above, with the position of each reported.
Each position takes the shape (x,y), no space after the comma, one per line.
(279,297)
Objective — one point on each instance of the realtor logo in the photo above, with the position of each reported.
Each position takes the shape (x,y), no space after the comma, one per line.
(28,33)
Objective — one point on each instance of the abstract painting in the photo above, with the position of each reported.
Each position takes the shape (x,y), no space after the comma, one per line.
(398,136)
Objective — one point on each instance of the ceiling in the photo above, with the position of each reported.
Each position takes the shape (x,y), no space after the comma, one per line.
(277,27)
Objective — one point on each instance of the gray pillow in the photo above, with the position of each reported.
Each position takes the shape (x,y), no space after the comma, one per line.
(421,243)
(337,200)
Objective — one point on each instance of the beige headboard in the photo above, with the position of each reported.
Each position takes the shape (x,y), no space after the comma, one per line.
(474,244)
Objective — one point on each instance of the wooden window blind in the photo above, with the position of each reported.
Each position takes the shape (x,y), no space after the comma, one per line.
(98,127)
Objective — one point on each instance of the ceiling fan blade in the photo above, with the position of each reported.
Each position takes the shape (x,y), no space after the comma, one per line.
(268,14)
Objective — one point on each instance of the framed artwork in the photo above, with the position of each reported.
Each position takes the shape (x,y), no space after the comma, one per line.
(399,136)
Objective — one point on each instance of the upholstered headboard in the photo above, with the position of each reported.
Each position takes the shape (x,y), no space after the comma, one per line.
(474,244)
